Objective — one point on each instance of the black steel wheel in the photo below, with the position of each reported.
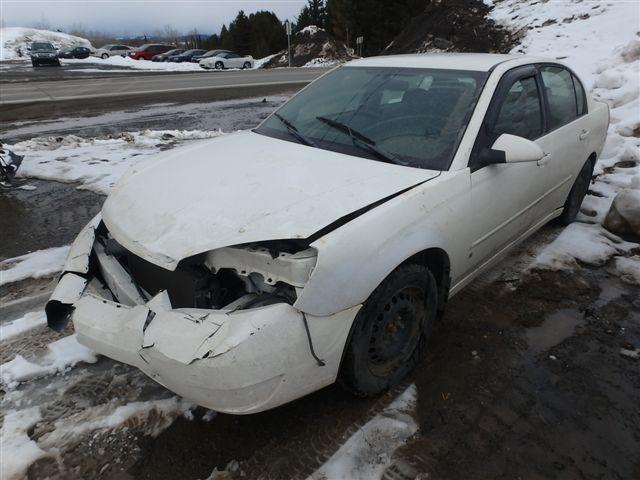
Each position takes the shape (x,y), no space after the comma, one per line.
(390,331)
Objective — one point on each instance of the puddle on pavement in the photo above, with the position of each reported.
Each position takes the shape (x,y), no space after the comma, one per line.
(556,328)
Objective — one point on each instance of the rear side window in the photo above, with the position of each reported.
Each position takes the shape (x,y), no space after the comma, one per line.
(581,98)
(561,96)
(520,113)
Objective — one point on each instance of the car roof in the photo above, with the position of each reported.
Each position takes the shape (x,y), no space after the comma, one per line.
(482,62)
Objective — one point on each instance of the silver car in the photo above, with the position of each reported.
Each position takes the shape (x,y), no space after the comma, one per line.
(111,50)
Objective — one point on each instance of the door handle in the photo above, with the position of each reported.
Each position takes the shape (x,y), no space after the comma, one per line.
(544,160)
(583,134)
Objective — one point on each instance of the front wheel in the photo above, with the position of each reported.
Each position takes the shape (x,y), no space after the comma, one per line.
(390,332)
(219,65)
(576,195)
(105,56)
(34,64)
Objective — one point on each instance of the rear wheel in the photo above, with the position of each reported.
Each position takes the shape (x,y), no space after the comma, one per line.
(246,65)
(390,331)
(576,195)
(34,63)
(219,65)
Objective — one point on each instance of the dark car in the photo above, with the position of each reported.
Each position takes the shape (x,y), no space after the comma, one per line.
(150,50)
(43,52)
(75,52)
(186,56)
(210,53)
(164,57)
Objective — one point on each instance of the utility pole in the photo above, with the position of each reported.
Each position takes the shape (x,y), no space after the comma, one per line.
(287,27)
(359,42)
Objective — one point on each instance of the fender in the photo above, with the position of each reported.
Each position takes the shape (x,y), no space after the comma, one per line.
(431,215)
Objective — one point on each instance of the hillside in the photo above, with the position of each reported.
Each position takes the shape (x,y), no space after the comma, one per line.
(15,40)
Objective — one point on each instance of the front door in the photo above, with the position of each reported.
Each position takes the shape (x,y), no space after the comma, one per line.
(506,197)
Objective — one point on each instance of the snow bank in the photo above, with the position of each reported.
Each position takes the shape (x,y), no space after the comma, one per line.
(96,163)
(368,452)
(61,355)
(17,327)
(599,41)
(38,264)
(18,451)
(130,63)
(14,41)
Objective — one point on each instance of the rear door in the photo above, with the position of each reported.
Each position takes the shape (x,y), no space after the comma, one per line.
(506,197)
(233,60)
(567,131)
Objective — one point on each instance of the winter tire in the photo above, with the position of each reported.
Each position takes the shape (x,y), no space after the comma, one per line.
(246,65)
(576,195)
(219,65)
(391,331)
(105,56)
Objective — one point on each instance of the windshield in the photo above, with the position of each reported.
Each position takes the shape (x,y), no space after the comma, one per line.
(42,46)
(413,117)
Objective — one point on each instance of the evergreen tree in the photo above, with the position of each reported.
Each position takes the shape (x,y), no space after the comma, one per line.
(313,13)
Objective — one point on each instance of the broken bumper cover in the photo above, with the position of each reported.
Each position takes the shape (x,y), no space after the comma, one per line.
(240,362)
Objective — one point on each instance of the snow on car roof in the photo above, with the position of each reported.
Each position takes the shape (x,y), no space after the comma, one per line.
(455,61)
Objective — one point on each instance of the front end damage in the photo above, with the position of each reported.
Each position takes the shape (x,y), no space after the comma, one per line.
(220,330)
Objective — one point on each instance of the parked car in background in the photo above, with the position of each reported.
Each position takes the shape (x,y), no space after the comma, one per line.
(210,53)
(186,55)
(107,51)
(164,57)
(227,60)
(376,193)
(148,51)
(74,52)
(43,52)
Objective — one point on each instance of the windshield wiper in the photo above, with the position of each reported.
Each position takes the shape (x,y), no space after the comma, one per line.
(291,128)
(362,141)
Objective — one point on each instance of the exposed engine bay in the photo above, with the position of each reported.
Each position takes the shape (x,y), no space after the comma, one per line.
(232,278)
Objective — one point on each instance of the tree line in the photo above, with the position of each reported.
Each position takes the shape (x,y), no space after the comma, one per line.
(262,33)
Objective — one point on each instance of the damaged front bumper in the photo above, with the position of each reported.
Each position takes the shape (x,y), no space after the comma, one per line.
(241,361)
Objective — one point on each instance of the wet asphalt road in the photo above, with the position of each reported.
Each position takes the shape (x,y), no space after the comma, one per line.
(134,84)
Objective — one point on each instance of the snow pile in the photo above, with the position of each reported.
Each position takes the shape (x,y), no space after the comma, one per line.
(600,42)
(38,264)
(368,452)
(60,356)
(311,47)
(27,322)
(18,451)
(96,163)
(14,41)
(130,63)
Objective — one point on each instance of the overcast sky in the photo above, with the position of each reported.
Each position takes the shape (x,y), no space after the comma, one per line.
(136,17)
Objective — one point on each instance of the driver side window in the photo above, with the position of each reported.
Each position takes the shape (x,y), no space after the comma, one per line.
(521,112)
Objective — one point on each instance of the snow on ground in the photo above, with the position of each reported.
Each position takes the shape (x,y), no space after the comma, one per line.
(22,325)
(130,63)
(38,264)
(600,42)
(17,449)
(96,163)
(60,356)
(368,452)
(14,41)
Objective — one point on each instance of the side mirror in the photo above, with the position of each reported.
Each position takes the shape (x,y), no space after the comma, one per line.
(511,149)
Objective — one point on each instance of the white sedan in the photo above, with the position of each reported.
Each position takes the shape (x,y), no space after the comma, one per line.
(107,51)
(325,243)
(227,60)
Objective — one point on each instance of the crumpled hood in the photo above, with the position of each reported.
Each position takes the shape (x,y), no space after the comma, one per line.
(242,188)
